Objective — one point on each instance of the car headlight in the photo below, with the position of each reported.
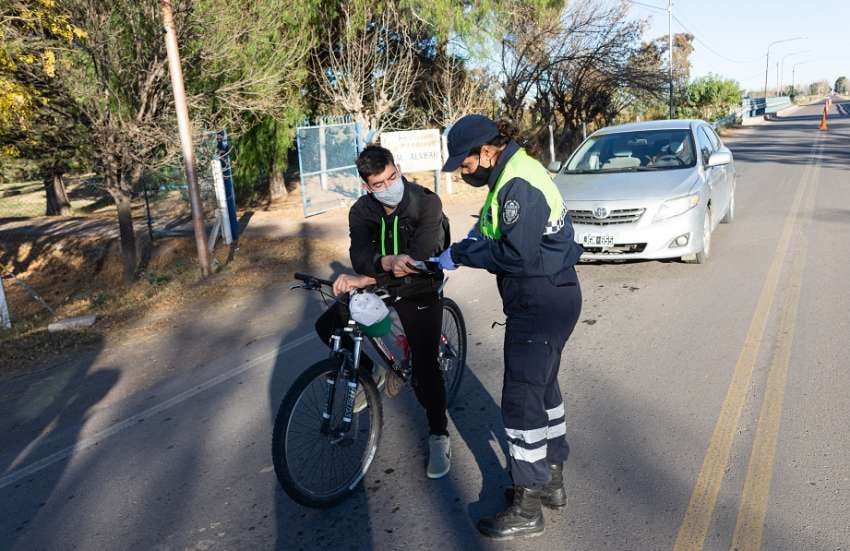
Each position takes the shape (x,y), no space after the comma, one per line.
(675,207)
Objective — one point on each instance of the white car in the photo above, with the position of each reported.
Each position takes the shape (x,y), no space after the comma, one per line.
(649,190)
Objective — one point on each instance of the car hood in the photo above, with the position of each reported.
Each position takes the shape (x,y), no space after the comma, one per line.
(661,184)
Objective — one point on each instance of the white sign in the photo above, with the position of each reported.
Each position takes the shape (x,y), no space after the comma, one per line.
(223,213)
(5,322)
(415,150)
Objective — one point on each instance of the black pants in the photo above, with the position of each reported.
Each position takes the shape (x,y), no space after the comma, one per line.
(540,319)
(422,319)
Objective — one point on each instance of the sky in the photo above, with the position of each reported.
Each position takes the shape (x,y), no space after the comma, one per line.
(733,36)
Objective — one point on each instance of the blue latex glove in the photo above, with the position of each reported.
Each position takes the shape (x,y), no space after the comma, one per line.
(445,260)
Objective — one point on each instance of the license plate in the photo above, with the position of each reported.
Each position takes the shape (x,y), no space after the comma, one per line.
(592,240)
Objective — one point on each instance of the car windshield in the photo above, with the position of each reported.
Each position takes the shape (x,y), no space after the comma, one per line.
(633,152)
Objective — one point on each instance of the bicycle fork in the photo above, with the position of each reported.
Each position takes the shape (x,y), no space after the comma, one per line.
(349,378)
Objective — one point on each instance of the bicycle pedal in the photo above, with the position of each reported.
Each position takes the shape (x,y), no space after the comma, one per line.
(394,384)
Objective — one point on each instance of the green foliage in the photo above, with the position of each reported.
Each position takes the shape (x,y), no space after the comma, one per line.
(260,152)
(819,88)
(38,116)
(99,299)
(841,85)
(710,97)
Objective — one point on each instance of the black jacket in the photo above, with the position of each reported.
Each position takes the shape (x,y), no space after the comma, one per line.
(423,232)
(522,250)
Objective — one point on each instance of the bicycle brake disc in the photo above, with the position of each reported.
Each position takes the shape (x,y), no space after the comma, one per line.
(394,385)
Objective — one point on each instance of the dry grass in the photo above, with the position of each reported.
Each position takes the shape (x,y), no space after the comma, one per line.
(84,276)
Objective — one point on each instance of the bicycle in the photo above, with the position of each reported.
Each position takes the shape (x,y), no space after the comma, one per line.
(335,406)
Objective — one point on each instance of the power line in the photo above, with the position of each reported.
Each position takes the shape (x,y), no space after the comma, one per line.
(712,50)
(696,38)
(650,6)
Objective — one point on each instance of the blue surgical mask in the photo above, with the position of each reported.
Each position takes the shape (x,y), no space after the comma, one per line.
(392,194)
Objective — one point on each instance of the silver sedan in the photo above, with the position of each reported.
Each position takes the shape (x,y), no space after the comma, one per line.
(649,190)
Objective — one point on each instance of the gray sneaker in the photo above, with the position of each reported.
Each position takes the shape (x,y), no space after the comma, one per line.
(439,456)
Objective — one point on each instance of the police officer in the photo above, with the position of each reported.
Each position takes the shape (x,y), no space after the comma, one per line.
(524,237)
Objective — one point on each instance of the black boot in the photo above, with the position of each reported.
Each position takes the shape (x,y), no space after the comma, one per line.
(523,517)
(552,494)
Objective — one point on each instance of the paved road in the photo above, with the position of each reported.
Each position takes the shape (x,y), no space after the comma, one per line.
(706,405)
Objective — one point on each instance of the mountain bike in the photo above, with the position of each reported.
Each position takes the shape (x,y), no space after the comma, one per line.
(328,426)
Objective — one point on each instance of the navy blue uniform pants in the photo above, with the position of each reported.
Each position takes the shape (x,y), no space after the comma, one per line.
(540,318)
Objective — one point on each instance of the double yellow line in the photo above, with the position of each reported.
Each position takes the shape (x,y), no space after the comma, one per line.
(754,498)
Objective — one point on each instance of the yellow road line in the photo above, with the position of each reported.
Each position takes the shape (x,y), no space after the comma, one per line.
(697,518)
(754,497)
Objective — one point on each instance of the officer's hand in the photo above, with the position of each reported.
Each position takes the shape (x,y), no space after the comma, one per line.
(445,260)
(400,265)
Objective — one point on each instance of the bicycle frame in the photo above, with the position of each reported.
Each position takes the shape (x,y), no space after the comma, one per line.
(350,366)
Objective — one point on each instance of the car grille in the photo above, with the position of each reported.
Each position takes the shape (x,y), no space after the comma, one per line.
(619,216)
(617,249)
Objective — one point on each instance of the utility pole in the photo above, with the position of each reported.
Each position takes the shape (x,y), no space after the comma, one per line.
(777,78)
(176,73)
(767,58)
(794,76)
(782,65)
(670,50)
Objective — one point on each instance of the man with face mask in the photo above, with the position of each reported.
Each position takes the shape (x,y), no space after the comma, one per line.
(396,223)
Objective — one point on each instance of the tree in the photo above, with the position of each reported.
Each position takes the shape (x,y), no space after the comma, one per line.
(249,79)
(446,90)
(841,85)
(367,66)
(711,97)
(819,88)
(583,69)
(122,88)
(39,119)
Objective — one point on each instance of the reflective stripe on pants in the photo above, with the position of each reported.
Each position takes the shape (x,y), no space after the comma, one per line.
(532,403)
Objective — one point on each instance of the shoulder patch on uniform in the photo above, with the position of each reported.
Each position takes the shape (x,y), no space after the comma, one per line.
(510,211)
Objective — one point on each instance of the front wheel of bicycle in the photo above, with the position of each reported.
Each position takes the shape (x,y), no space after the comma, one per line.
(452,348)
(316,469)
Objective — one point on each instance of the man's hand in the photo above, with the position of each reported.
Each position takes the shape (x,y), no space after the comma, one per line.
(398,265)
(401,266)
(346,283)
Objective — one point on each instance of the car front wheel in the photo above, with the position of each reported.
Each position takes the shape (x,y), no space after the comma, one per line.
(729,217)
(702,256)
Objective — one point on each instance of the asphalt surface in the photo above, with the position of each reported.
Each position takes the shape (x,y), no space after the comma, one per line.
(706,405)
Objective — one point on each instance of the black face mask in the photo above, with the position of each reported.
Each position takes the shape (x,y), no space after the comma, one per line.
(479,177)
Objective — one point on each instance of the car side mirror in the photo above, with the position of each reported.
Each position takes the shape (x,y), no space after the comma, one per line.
(554,166)
(719,158)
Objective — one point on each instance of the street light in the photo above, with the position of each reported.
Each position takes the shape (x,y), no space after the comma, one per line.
(767,57)
(782,63)
(794,74)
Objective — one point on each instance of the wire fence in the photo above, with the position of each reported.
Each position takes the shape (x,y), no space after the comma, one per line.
(327,152)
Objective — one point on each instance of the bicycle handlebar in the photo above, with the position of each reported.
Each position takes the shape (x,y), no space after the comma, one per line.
(312,280)
(422,267)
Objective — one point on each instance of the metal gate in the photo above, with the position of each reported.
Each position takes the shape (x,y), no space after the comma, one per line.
(326,158)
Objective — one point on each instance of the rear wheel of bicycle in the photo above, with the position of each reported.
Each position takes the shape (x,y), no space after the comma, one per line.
(452,348)
(315,469)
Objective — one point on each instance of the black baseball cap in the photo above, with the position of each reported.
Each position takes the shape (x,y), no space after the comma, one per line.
(465,135)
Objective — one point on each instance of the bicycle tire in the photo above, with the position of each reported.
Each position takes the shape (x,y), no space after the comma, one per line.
(453,382)
(285,471)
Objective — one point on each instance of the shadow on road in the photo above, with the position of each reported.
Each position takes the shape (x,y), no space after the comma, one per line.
(39,415)
(352,524)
